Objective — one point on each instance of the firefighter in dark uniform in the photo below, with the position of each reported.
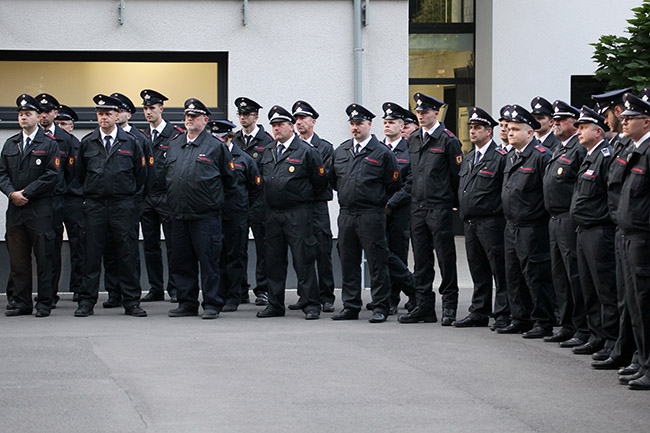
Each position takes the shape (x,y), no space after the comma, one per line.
(252,139)
(73,214)
(247,188)
(112,170)
(504,115)
(365,174)
(29,174)
(542,110)
(411,124)
(294,176)
(398,211)
(595,240)
(634,220)
(50,108)
(435,162)
(528,261)
(306,116)
(199,170)
(156,211)
(479,192)
(623,355)
(559,180)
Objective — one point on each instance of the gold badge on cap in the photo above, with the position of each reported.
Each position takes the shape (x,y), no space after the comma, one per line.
(292,169)
(560,170)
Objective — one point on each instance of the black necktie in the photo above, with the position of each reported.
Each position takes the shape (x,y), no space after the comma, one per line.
(477,157)
(248,140)
(107,139)
(27,141)
(357,149)
(154,134)
(280,149)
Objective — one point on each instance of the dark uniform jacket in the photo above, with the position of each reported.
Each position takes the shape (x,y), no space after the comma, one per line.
(248,184)
(144,141)
(561,174)
(402,198)
(325,149)
(364,181)
(160,147)
(66,147)
(296,179)
(589,202)
(622,147)
(198,174)
(551,142)
(522,194)
(120,173)
(73,187)
(434,166)
(634,209)
(480,185)
(36,170)
(257,144)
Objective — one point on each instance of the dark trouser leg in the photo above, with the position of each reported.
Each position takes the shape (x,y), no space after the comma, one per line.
(490,234)
(123,225)
(206,238)
(150,222)
(58,211)
(519,296)
(298,232)
(424,259)
(625,346)
(371,232)
(256,221)
(398,233)
(184,266)
(276,260)
(479,239)
(19,247)
(561,282)
(111,269)
(73,220)
(590,295)
(350,251)
(323,234)
(234,241)
(96,215)
(440,225)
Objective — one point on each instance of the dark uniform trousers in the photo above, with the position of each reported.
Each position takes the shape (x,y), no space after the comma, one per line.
(197,242)
(29,228)
(486,259)
(256,222)
(73,218)
(528,272)
(625,347)
(235,240)
(323,234)
(155,213)
(431,229)
(291,228)
(58,212)
(566,278)
(114,221)
(398,234)
(364,231)
(598,279)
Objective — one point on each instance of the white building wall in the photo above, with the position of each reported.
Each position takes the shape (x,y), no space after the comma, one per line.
(289,50)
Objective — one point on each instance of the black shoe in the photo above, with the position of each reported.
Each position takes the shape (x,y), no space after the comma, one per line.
(500,323)
(76,297)
(607,364)
(538,332)
(173,296)
(42,313)
(262,299)
(572,342)
(378,317)
(182,312)
(297,306)
(602,354)
(516,328)
(135,311)
(624,380)
(209,314)
(12,305)
(328,307)
(448,317)
(560,336)
(392,310)
(471,320)
(640,384)
(346,314)
(312,315)
(588,348)
(410,305)
(370,306)
(112,302)
(630,369)
(18,312)
(419,315)
(153,297)
(84,311)
(228,308)
(269,312)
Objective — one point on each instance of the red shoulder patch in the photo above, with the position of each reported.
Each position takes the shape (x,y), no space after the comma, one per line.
(449,133)
(540,148)
(49,135)
(501,151)
(179,128)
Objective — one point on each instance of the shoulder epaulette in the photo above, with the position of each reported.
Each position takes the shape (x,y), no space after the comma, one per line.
(449,133)
(145,134)
(540,148)
(179,128)
(267,133)
(87,135)
(48,134)
(606,152)
(501,151)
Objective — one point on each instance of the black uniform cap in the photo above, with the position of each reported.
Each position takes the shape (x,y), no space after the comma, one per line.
(635,105)
(194,106)
(303,108)
(47,102)
(104,102)
(504,113)
(588,115)
(481,117)
(393,111)
(540,105)
(125,102)
(610,99)
(562,109)
(426,102)
(519,114)
(151,97)
(357,113)
(221,127)
(411,117)
(67,113)
(27,102)
(280,114)
(246,105)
